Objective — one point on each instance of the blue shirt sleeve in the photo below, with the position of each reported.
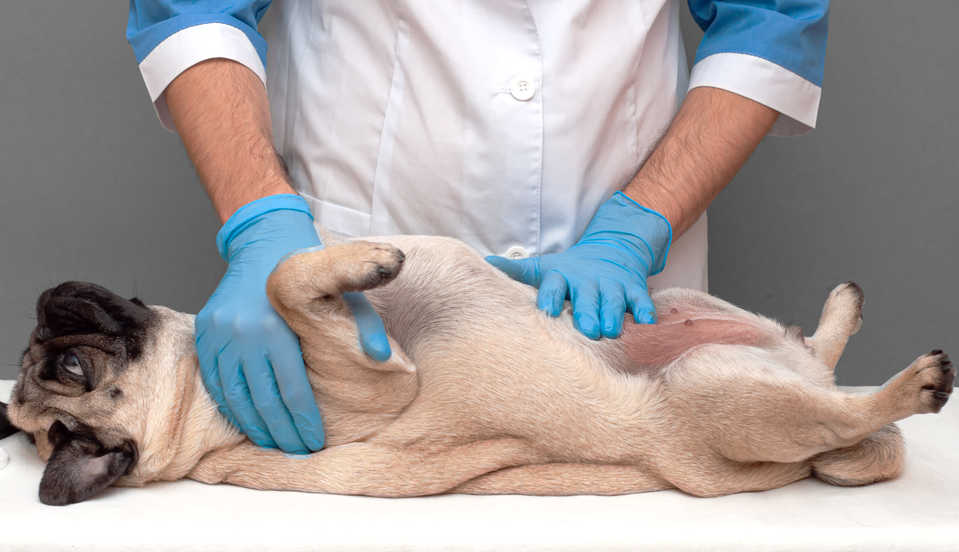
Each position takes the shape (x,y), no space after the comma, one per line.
(789,33)
(152,21)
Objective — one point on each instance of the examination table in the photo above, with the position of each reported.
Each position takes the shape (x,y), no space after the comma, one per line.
(919,511)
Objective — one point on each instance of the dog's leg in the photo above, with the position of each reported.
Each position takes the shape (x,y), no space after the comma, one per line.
(566,479)
(357,395)
(922,388)
(841,318)
(718,477)
(878,457)
(739,404)
(364,468)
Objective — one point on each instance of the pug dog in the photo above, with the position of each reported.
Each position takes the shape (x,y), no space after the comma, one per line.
(483,393)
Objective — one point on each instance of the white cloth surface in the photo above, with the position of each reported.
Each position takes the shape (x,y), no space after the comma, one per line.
(919,511)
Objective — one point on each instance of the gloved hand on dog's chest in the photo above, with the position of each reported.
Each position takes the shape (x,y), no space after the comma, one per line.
(250,360)
(604,273)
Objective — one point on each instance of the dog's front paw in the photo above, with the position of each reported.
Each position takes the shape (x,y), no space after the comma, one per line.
(371,264)
(326,272)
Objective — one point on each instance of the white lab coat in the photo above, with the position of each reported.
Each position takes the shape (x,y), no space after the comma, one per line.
(504,123)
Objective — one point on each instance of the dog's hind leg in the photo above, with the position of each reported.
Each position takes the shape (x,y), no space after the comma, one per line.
(357,395)
(841,318)
(566,479)
(718,477)
(750,425)
(744,407)
(878,457)
(364,468)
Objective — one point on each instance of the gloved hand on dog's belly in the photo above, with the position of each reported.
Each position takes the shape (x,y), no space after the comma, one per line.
(603,274)
(250,361)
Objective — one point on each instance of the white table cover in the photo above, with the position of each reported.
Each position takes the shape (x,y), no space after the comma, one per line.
(919,511)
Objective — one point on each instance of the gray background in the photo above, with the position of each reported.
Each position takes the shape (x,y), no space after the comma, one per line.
(94,189)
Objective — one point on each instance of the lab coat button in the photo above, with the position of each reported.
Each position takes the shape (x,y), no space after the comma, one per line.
(522,88)
(517,252)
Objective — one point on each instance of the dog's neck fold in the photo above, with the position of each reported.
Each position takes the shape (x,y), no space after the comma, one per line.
(202,428)
(177,435)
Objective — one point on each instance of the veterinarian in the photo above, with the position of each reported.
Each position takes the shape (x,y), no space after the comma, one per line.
(557,137)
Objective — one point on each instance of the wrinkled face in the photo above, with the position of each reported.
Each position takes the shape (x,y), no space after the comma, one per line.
(74,392)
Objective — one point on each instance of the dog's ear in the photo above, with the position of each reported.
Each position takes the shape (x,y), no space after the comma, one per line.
(78,308)
(6,428)
(80,466)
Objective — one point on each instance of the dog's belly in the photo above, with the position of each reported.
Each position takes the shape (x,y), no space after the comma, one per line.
(430,294)
(651,347)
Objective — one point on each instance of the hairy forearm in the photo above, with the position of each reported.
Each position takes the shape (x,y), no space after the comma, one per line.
(221,112)
(711,137)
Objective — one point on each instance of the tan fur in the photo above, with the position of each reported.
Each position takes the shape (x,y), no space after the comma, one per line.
(485,394)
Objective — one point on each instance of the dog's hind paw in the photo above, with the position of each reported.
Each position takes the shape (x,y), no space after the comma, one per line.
(938,376)
(923,387)
(845,303)
(927,382)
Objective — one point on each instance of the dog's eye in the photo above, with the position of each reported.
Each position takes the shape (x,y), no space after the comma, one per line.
(70,363)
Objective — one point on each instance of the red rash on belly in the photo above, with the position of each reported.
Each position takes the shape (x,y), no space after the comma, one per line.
(652,346)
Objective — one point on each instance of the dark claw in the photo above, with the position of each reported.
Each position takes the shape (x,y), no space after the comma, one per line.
(936,352)
(942,395)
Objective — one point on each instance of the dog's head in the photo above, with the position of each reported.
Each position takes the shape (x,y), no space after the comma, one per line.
(87,387)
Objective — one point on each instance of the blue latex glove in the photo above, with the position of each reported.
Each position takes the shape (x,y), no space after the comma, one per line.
(250,361)
(604,273)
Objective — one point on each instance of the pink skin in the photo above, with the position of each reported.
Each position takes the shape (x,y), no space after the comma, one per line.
(653,346)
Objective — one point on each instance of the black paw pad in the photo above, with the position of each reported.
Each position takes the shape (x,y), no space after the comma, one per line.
(940,398)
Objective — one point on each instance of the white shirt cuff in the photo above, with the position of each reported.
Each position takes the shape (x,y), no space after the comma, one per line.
(795,98)
(184,49)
